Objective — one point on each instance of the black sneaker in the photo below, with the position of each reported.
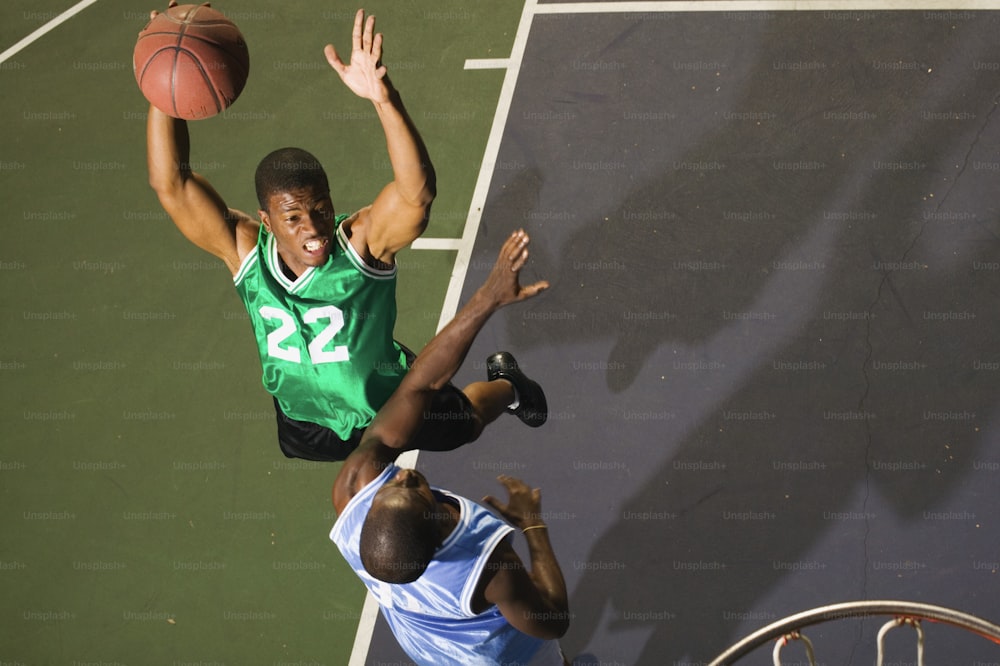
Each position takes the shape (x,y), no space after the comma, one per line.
(532,408)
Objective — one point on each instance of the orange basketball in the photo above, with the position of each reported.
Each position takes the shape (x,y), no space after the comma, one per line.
(191,62)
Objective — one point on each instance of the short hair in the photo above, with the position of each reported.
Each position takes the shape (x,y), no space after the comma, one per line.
(287,169)
(398,541)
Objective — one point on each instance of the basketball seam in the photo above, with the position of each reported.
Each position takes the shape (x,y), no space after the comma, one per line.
(173,67)
(233,56)
(210,84)
(238,55)
(200,38)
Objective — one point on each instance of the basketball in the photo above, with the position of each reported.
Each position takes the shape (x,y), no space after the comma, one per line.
(191,62)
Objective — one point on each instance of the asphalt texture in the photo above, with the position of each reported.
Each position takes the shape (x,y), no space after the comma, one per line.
(769,347)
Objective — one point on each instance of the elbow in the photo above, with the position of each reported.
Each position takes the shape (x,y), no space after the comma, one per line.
(551,631)
(417,189)
(559,625)
(427,192)
(424,201)
(160,188)
(430,185)
(425,196)
(548,625)
(169,198)
(166,186)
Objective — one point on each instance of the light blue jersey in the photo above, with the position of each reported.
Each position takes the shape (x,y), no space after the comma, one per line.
(432,617)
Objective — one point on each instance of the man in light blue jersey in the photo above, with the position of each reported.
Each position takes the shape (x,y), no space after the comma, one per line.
(319,287)
(442,568)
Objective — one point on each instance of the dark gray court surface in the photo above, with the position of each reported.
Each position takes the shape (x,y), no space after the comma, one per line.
(770,345)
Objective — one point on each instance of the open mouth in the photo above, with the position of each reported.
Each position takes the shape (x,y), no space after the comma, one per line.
(314,245)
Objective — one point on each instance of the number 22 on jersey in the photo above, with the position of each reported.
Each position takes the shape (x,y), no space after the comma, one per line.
(279,346)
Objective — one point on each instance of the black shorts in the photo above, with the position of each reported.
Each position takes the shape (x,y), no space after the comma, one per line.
(448,424)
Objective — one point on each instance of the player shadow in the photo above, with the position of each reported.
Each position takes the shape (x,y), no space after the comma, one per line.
(785,347)
(750,371)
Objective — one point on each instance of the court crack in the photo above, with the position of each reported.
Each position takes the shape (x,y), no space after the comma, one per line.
(870,351)
(869,348)
(883,283)
(972,146)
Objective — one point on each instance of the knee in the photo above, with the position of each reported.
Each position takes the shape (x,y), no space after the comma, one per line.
(476,426)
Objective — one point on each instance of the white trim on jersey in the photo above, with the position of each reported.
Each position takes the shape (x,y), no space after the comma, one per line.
(248,261)
(550,654)
(473,581)
(359,263)
(273,263)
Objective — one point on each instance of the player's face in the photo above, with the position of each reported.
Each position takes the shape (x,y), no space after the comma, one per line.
(302,221)
(409,485)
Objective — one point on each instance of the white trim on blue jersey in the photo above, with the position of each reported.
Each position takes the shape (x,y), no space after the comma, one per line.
(432,617)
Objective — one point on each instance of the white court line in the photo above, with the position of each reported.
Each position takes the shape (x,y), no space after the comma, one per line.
(468,239)
(487,63)
(436,244)
(765,5)
(366,625)
(65,16)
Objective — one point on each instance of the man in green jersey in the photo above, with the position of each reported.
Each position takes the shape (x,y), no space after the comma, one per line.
(320,287)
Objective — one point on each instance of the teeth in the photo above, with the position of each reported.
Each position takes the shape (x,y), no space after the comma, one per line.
(314,245)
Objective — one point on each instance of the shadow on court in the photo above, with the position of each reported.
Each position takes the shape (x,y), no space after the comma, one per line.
(768,348)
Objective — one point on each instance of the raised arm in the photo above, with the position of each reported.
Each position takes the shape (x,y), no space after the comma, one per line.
(399,213)
(392,430)
(534,601)
(192,203)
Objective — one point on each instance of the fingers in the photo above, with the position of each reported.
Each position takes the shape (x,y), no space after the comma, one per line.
(359,19)
(363,34)
(514,250)
(366,37)
(511,483)
(517,240)
(533,289)
(517,487)
(331,57)
(511,259)
(170,5)
(518,262)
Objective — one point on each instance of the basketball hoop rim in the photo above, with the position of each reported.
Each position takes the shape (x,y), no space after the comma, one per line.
(858,609)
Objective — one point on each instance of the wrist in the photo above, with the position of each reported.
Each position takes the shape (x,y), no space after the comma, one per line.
(389,101)
(485,300)
(534,526)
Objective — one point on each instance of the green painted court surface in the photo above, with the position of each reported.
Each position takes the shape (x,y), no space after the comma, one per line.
(772,386)
(148,515)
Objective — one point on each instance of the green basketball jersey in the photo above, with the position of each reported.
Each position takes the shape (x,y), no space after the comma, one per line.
(326,338)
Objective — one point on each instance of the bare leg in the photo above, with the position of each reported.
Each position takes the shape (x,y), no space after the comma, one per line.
(489,400)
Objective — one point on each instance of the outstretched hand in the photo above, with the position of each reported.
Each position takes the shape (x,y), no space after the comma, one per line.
(365,73)
(503,283)
(524,508)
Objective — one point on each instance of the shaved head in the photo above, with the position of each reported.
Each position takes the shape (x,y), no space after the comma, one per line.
(398,540)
